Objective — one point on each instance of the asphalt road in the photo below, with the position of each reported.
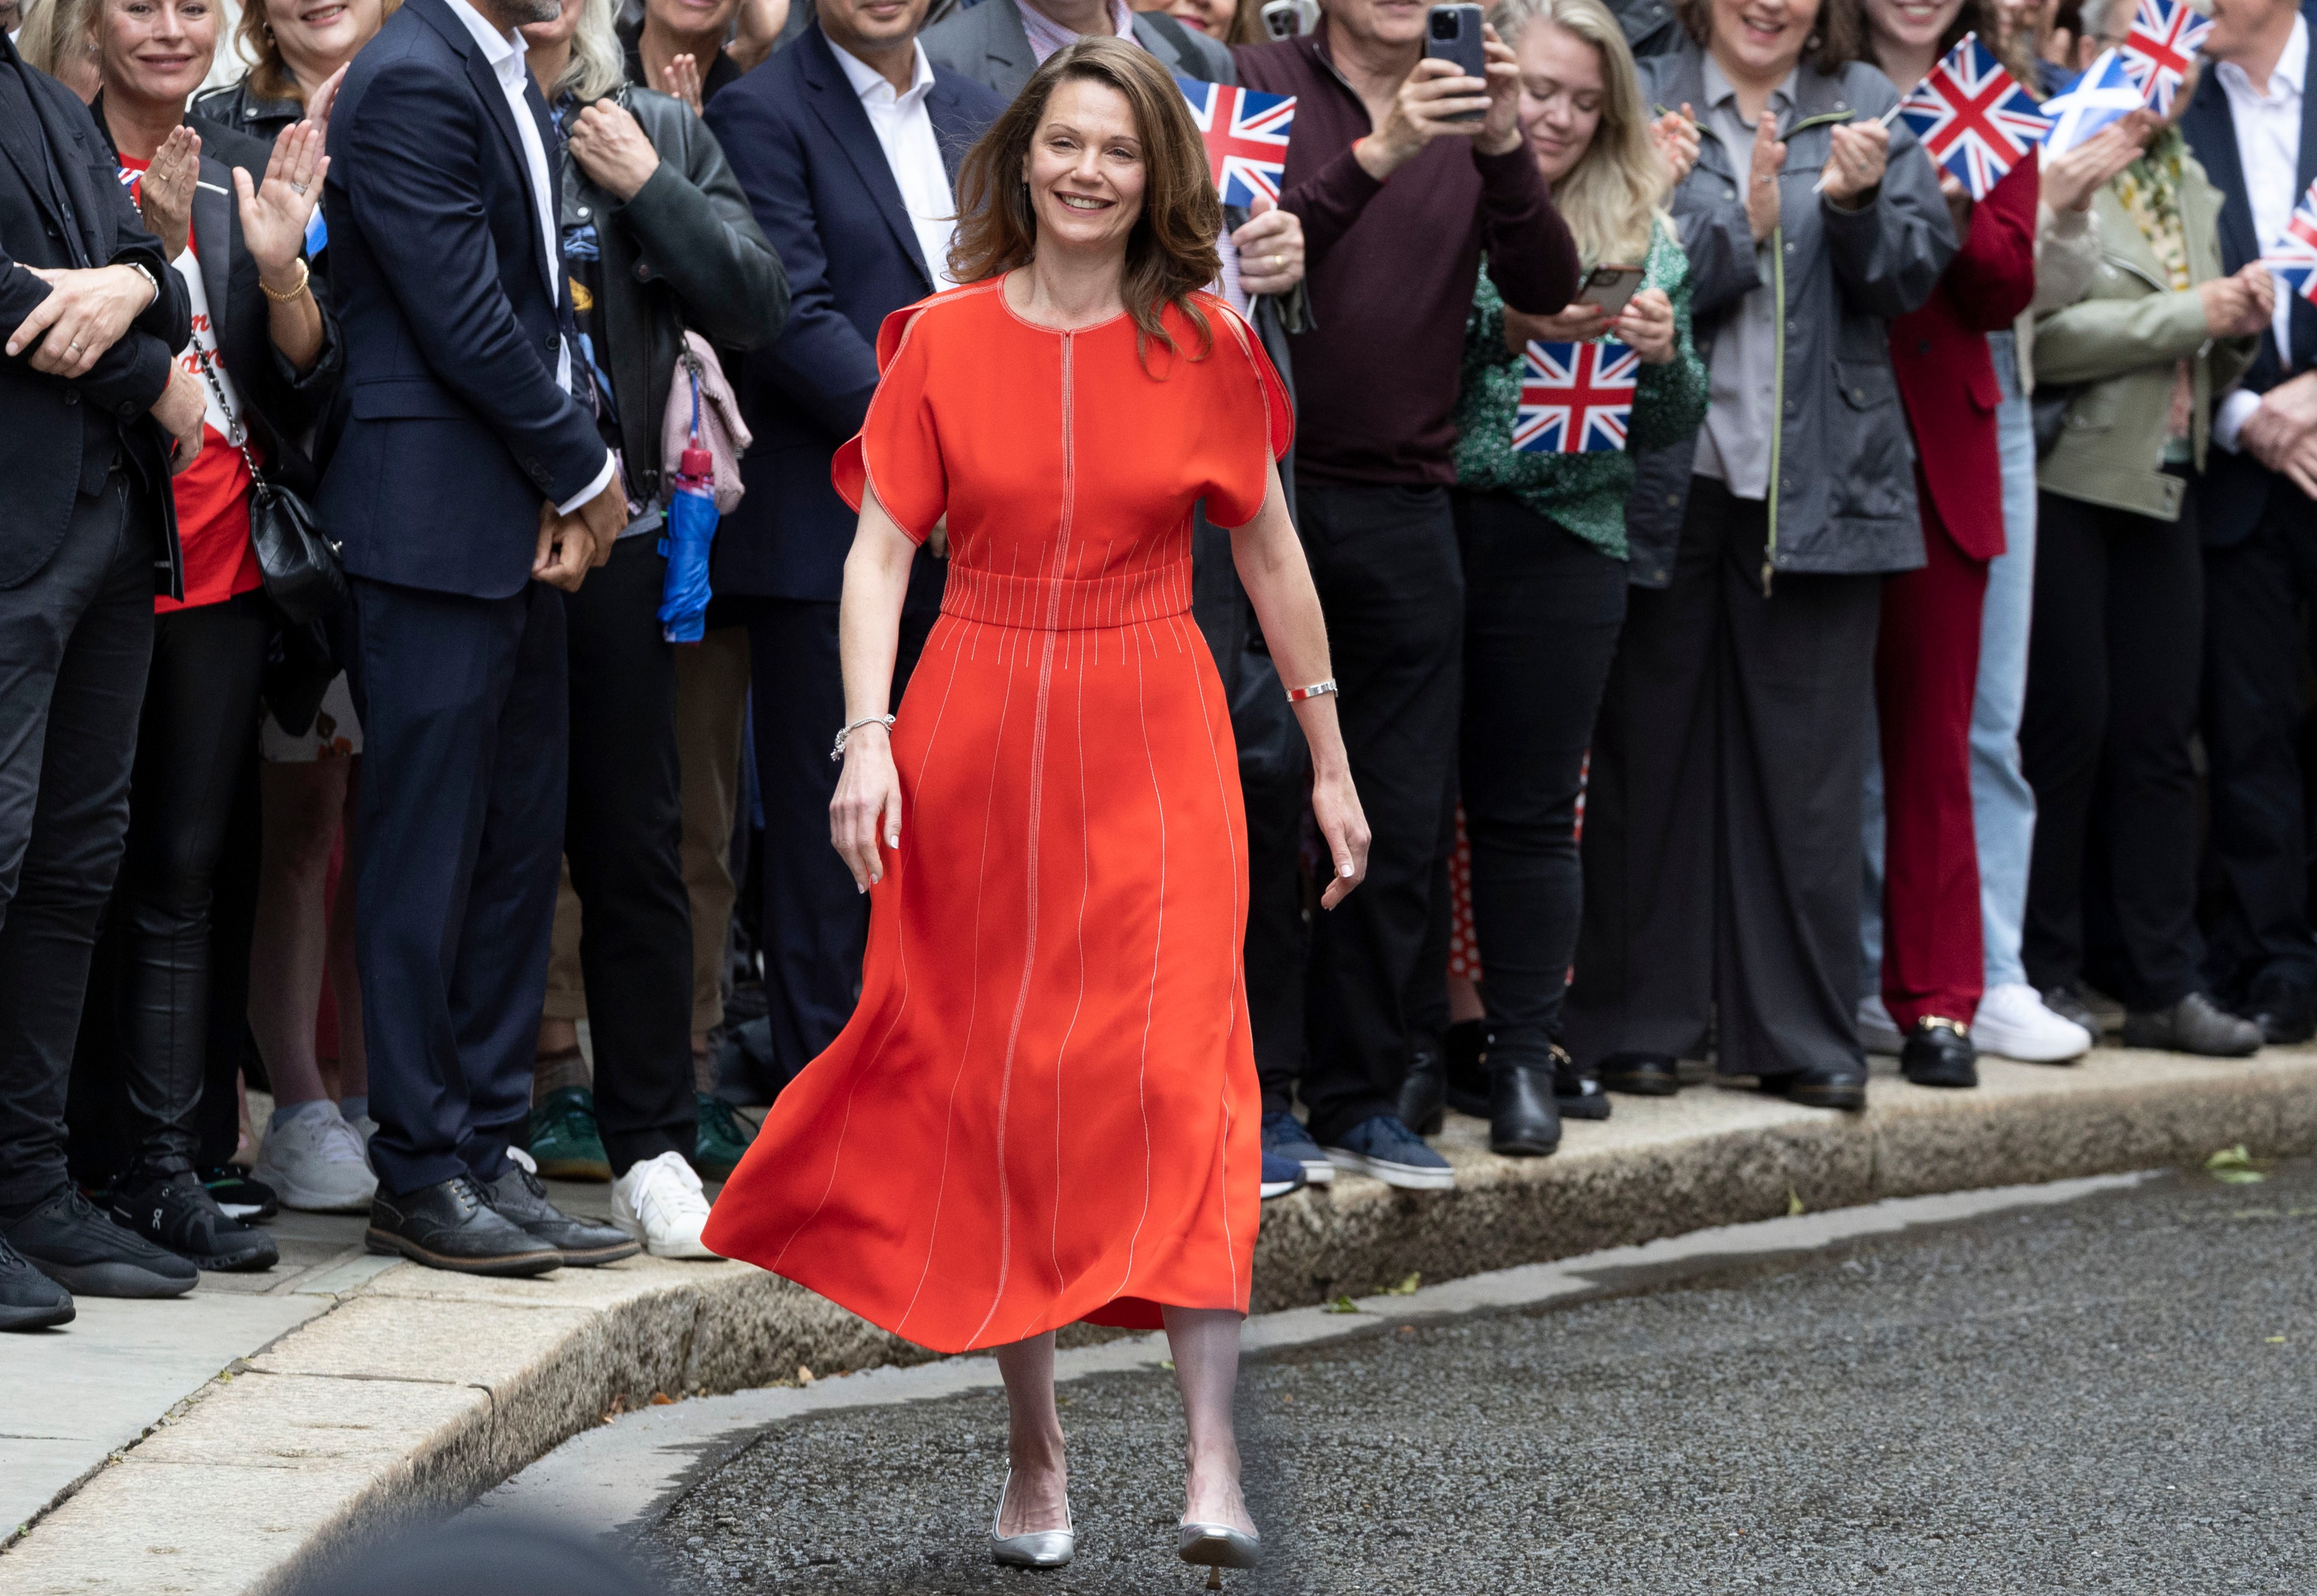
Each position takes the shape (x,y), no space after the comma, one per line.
(2111,1396)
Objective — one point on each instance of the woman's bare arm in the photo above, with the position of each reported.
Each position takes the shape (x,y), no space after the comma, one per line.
(868,639)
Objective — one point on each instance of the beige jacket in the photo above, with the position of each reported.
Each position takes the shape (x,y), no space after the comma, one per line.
(2122,341)
(2067,255)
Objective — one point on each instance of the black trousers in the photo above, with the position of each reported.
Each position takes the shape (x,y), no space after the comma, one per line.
(1385,563)
(623,838)
(2113,662)
(460,835)
(74,643)
(196,738)
(815,922)
(2257,653)
(1542,609)
(1723,817)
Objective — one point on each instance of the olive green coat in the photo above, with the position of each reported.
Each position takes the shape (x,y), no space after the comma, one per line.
(2122,341)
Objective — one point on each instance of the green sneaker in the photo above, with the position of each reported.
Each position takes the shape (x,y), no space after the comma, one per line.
(723,1137)
(563,1138)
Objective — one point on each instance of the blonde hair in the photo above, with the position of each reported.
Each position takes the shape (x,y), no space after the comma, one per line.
(598,65)
(1615,195)
(59,35)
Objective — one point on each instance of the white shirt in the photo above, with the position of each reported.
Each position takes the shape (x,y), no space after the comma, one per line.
(904,131)
(2269,148)
(505,52)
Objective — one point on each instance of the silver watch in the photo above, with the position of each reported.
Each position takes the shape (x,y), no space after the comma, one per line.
(150,282)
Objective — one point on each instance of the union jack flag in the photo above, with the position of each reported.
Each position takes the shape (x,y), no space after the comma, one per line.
(1974,117)
(2163,40)
(1575,398)
(2294,257)
(1247,138)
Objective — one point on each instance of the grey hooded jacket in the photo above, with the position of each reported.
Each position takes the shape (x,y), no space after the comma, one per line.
(1842,483)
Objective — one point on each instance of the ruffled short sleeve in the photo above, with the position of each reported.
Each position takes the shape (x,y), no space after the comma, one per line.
(1257,419)
(897,453)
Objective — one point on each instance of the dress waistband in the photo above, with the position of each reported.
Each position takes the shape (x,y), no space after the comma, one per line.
(1068,604)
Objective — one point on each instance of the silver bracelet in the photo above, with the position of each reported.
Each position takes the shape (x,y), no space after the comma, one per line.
(837,752)
(1316,690)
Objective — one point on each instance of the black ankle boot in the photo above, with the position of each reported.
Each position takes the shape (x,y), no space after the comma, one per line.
(1424,1095)
(1522,1120)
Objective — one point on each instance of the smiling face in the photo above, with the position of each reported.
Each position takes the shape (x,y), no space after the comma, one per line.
(324,30)
(1761,41)
(2247,28)
(557,30)
(691,18)
(1085,168)
(157,50)
(1562,96)
(1906,29)
(864,27)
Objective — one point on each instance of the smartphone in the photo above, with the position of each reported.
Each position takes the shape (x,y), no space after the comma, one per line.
(1289,19)
(1610,286)
(1453,33)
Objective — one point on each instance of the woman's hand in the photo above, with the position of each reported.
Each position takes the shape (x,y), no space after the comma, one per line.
(680,77)
(2238,307)
(318,104)
(2070,180)
(1855,163)
(275,209)
(1762,169)
(612,150)
(165,192)
(868,803)
(1646,326)
(1335,806)
(1676,137)
(1574,325)
(758,29)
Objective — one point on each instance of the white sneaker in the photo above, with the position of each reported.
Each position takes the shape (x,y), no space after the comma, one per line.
(316,1160)
(2013,1023)
(1877,1034)
(660,1204)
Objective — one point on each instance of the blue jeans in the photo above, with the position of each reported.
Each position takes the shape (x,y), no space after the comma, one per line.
(2002,805)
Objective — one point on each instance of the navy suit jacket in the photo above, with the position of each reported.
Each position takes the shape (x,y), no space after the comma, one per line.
(457,430)
(816,176)
(2234,493)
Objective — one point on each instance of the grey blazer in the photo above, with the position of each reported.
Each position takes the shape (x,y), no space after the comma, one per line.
(986,41)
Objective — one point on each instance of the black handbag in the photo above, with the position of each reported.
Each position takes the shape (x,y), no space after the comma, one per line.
(303,575)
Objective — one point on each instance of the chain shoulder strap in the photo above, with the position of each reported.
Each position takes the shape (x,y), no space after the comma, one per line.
(239,435)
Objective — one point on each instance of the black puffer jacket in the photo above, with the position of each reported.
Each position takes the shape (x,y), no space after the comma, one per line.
(685,252)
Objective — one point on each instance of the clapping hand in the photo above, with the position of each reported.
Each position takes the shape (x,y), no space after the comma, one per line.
(165,192)
(2239,306)
(275,209)
(318,103)
(2070,180)
(1676,137)
(1855,163)
(758,29)
(680,77)
(1768,160)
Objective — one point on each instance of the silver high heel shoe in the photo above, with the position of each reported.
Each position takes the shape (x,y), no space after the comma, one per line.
(1039,1549)
(1217,1547)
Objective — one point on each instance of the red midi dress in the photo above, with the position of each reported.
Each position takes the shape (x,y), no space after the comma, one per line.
(1044,1108)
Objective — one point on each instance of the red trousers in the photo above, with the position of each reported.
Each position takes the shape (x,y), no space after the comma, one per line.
(1926,673)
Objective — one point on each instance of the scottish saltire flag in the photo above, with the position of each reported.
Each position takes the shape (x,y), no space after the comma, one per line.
(1973,118)
(2293,258)
(2163,40)
(1575,398)
(2105,93)
(1247,138)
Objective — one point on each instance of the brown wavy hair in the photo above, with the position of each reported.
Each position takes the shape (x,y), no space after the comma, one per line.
(1170,254)
(1836,39)
(269,76)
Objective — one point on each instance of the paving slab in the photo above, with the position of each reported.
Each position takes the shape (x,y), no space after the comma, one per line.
(385,1390)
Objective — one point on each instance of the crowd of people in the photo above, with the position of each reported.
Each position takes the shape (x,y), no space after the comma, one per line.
(1924,675)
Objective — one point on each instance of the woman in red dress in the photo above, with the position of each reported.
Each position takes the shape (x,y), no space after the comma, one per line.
(1044,1109)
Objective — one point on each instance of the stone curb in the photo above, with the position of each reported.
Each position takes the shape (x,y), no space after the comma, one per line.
(418,1391)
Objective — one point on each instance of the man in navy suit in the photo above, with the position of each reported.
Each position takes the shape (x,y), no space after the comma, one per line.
(847,143)
(2253,125)
(471,485)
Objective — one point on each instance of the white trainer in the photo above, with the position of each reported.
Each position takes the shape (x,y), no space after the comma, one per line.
(2013,1023)
(1876,1033)
(316,1160)
(660,1204)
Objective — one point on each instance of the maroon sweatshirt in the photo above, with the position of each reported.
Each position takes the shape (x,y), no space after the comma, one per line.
(1391,271)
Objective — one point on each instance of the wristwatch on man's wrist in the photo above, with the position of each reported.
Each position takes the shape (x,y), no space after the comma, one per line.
(149,281)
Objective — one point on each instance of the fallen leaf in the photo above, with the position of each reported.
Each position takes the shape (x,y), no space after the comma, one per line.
(1794,1202)
(661,1398)
(804,1375)
(1342,1304)
(2233,1166)
(1406,1287)
(2276,1340)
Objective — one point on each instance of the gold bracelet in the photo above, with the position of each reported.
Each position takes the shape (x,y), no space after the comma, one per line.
(304,278)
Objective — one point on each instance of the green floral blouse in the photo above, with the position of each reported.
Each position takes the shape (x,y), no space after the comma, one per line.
(1585,493)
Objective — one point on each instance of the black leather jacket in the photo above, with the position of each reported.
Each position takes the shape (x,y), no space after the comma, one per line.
(685,252)
(241,108)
